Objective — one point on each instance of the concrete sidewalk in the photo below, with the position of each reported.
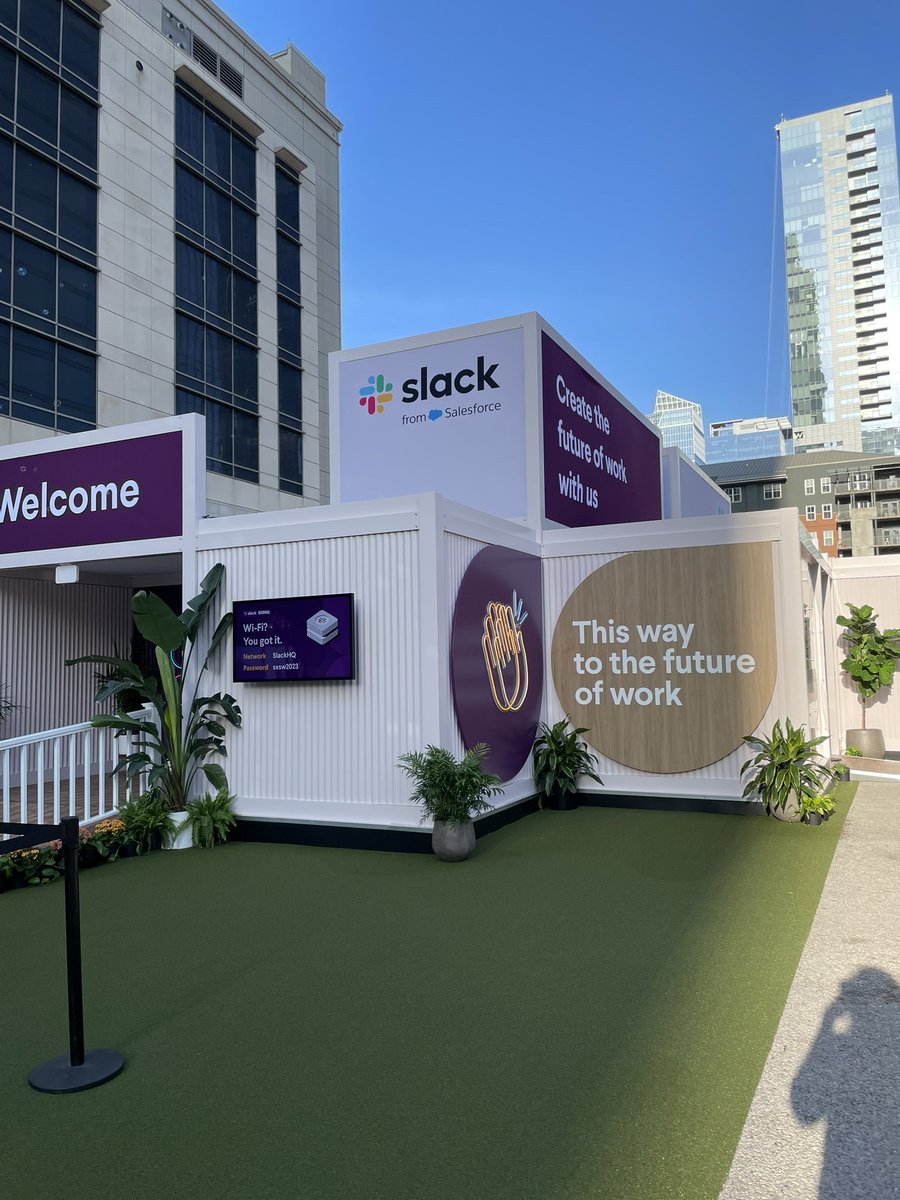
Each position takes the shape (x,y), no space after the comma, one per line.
(825,1121)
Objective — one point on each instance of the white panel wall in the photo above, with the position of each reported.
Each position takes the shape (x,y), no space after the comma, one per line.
(465,532)
(43,624)
(306,748)
(459,551)
(570,556)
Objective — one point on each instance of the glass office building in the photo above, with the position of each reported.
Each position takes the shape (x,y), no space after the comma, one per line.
(681,424)
(760,437)
(842,262)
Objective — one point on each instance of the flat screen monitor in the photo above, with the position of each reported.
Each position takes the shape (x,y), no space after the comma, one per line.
(292,640)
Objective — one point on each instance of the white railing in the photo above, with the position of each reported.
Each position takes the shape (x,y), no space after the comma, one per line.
(67,772)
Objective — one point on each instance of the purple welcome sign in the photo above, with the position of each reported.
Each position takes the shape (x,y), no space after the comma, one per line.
(601,462)
(497,656)
(122,491)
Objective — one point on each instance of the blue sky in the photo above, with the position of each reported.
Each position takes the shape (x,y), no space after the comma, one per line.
(612,167)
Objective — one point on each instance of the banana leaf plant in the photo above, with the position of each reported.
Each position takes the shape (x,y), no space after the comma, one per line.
(187,728)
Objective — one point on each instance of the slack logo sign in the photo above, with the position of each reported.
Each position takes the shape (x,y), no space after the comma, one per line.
(438,387)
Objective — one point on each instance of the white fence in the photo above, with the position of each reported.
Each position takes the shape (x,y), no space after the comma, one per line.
(66,772)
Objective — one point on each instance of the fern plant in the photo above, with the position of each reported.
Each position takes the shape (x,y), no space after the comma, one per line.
(146,821)
(211,818)
(786,767)
(448,789)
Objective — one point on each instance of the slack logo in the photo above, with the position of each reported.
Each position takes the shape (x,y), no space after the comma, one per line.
(439,387)
(374,397)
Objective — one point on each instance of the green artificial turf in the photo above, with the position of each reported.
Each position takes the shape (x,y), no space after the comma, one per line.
(582,1009)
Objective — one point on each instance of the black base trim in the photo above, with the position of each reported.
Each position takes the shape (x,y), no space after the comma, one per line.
(731,808)
(339,837)
(413,841)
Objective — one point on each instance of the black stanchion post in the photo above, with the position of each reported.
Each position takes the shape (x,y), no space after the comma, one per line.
(69,827)
(79,1069)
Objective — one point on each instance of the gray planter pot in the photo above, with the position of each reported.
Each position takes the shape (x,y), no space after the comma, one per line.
(870,742)
(453,843)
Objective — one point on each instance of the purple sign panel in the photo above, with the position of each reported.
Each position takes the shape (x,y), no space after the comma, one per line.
(300,638)
(123,491)
(497,656)
(601,462)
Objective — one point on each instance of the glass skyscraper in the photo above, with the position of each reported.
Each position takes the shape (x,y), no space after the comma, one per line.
(842,261)
(681,424)
(754,437)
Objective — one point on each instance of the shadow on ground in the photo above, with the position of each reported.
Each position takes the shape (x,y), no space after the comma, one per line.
(851,1080)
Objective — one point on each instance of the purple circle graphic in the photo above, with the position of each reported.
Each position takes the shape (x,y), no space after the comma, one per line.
(497,656)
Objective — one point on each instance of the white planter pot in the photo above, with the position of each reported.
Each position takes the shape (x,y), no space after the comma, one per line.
(184,838)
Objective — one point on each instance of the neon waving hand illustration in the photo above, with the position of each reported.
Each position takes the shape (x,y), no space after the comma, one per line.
(504,655)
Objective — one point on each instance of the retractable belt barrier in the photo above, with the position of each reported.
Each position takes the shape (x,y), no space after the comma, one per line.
(80,1068)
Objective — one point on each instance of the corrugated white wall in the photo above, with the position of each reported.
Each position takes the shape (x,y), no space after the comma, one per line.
(464,533)
(564,572)
(328,742)
(41,625)
(328,751)
(459,552)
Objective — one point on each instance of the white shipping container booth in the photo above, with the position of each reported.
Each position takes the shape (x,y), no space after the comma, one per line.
(669,639)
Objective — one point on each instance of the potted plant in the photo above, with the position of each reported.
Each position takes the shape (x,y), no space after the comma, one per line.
(145,822)
(211,818)
(451,792)
(559,758)
(36,865)
(101,843)
(184,728)
(785,769)
(816,809)
(870,663)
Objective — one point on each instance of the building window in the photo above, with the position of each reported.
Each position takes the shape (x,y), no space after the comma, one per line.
(828,537)
(771,491)
(216,345)
(290,375)
(825,485)
(49,54)
(810,512)
(734,494)
(809,487)
(827,512)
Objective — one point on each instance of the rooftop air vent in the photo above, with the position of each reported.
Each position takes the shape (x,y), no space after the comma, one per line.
(205,55)
(176,31)
(231,79)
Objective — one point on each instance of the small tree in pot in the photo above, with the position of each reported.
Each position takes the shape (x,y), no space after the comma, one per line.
(870,663)
(451,792)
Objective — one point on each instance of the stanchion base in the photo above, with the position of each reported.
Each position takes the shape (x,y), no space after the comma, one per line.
(58,1075)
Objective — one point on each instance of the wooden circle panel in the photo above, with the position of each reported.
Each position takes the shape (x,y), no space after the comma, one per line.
(700,699)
